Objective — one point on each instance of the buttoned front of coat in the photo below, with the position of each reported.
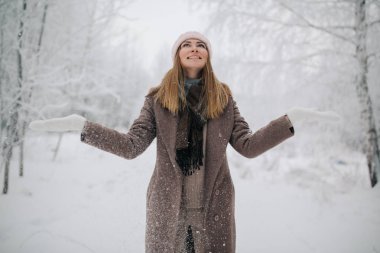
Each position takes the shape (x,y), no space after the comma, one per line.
(165,187)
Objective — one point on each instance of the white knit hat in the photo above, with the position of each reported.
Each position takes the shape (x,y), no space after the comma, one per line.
(190,35)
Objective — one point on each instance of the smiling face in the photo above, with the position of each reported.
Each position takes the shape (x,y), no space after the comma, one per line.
(193,55)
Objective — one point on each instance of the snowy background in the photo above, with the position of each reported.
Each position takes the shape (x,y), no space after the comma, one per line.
(90,201)
(99,58)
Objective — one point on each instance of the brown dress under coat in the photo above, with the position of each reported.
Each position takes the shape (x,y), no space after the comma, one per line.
(165,187)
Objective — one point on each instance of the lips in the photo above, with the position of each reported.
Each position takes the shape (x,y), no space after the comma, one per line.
(194,57)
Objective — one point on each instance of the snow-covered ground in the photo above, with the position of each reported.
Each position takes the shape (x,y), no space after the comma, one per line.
(91,201)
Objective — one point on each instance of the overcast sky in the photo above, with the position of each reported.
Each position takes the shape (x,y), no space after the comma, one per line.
(161,22)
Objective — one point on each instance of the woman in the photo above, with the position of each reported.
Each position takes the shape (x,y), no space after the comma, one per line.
(190,198)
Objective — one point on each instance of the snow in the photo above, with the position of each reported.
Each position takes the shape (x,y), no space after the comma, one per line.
(91,201)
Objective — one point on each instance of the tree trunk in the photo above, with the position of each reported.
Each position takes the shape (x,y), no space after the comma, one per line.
(26,98)
(21,154)
(20,132)
(1,89)
(8,147)
(8,155)
(42,28)
(371,146)
(56,149)
(13,133)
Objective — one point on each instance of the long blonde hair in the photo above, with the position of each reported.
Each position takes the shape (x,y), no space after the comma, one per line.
(171,92)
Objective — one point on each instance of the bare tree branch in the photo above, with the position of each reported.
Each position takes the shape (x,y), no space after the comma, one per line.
(234,10)
(373,56)
(374,22)
(295,59)
(4,3)
(237,11)
(377,2)
(327,1)
(310,24)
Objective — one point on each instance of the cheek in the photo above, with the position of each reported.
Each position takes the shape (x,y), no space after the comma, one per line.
(182,52)
(182,59)
(181,56)
(205,55)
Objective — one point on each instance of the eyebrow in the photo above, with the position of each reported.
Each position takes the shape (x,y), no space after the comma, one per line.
(197,42)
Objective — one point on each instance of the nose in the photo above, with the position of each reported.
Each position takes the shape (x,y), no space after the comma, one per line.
(194,49)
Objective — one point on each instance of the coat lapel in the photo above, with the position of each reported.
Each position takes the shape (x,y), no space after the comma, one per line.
(167,130)
(218,134)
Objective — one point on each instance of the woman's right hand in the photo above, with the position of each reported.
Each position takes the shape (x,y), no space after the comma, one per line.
(72,122)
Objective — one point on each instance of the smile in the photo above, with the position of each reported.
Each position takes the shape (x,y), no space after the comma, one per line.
(194,57)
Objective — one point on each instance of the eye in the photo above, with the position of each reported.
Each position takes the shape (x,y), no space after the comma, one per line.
(202,45)
(186,44)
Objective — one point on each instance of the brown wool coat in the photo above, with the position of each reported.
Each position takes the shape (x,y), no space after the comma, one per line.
(165,187)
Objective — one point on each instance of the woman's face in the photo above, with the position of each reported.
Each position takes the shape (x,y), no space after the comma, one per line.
(193,55)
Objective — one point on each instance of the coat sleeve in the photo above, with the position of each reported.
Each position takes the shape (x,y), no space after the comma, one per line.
(129,145)
(251,144)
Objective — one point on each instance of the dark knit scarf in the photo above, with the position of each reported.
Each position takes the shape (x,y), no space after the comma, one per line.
(189,241)
(189,138)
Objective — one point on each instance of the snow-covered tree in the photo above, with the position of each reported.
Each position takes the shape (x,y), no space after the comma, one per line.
(367,112)
(325,50)
(60,57)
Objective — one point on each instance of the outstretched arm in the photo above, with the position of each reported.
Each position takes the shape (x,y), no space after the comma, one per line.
(253,144)
(129,145)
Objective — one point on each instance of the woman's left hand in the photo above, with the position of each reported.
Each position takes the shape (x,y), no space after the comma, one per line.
(299,114)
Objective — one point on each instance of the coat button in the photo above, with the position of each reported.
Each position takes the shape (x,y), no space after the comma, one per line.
(217,192)
(216,217)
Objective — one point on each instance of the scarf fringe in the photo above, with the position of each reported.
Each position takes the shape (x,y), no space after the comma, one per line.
(190,159)
(189,242)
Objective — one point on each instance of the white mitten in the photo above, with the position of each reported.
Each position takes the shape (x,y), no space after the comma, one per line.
(72,122)
(298,114)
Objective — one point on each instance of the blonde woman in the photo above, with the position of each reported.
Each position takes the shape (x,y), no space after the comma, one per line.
(190,200)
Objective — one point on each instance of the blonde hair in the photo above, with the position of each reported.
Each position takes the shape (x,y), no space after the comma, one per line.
(171,92)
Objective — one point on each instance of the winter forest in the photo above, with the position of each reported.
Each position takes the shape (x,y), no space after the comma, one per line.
(316,192)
